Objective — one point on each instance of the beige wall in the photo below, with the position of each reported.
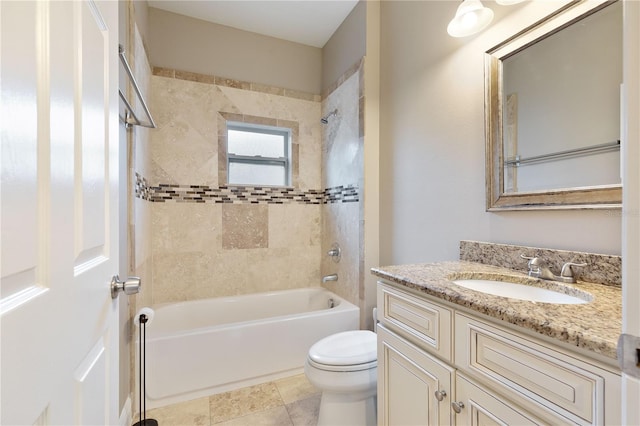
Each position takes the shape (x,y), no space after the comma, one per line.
(345,47)
(371,163)
(432,143)
(189,44)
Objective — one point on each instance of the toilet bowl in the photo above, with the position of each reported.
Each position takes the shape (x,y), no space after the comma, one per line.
(344,367)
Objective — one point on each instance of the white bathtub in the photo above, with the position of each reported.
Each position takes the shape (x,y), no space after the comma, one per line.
(202,347)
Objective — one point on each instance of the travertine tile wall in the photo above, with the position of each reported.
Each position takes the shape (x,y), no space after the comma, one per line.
(211,240)
(208,239)
(342,164)
(139,211)
(139,163)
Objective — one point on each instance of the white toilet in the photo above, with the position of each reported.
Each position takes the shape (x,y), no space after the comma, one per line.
(344,367)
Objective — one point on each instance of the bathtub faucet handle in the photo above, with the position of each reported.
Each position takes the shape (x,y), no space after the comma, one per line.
(332,277)
(335,252)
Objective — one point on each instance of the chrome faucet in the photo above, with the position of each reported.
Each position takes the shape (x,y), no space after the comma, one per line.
(332,277)
(539,269)
(335,253)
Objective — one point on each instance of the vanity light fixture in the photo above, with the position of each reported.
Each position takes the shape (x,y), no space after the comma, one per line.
(471,18)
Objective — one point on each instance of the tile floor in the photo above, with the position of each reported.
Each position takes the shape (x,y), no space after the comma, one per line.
(291,401)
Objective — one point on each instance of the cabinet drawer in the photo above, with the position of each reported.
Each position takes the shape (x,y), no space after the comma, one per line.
(426,324)
(538,373)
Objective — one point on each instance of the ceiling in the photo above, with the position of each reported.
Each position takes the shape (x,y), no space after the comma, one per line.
(310,22)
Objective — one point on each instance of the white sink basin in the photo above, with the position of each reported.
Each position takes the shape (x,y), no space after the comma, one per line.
(519,291)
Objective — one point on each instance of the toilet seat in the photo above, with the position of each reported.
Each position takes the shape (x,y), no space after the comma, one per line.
(346,351)
(343,368)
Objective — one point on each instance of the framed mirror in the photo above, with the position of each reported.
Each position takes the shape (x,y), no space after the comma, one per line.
(552,112)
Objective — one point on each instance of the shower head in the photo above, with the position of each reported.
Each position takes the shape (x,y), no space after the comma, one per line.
(325,119)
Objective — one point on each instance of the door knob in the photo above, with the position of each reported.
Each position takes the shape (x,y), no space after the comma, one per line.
(129,286)
(440,394)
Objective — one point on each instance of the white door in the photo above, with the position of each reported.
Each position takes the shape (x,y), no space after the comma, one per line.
(59,222)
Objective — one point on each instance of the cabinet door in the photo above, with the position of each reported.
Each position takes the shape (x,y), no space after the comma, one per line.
(414,388)
(479,407)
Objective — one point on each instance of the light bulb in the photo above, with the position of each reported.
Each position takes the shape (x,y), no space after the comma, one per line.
(471,18)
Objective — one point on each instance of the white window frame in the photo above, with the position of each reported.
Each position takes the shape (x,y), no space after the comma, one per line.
(258,159)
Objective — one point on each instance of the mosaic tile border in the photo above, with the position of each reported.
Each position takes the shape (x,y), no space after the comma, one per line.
(142,188)
(226,194)
(337,194)
(236,84)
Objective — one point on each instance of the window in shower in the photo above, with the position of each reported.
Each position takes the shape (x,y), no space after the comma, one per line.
(258,155)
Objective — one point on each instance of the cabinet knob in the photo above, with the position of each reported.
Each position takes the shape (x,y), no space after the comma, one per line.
(440,394)
(457,406)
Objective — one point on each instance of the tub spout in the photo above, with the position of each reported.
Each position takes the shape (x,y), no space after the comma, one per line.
(332,277)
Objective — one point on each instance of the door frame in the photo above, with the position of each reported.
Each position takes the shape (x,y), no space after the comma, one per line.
(631,199)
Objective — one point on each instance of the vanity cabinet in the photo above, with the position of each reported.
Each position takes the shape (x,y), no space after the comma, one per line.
(439,364)
(413,386)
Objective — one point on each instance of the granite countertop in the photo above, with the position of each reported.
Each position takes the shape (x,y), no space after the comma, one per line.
(594,326)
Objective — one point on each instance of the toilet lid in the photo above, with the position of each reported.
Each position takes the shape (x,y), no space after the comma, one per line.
(346,348)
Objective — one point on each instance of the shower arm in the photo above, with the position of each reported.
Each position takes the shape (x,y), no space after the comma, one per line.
(325,119)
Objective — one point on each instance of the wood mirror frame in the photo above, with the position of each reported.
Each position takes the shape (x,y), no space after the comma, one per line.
(587,197)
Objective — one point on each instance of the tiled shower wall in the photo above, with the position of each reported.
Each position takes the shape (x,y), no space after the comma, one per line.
(139,163)
(342,165)
(139,211)
(209,239)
